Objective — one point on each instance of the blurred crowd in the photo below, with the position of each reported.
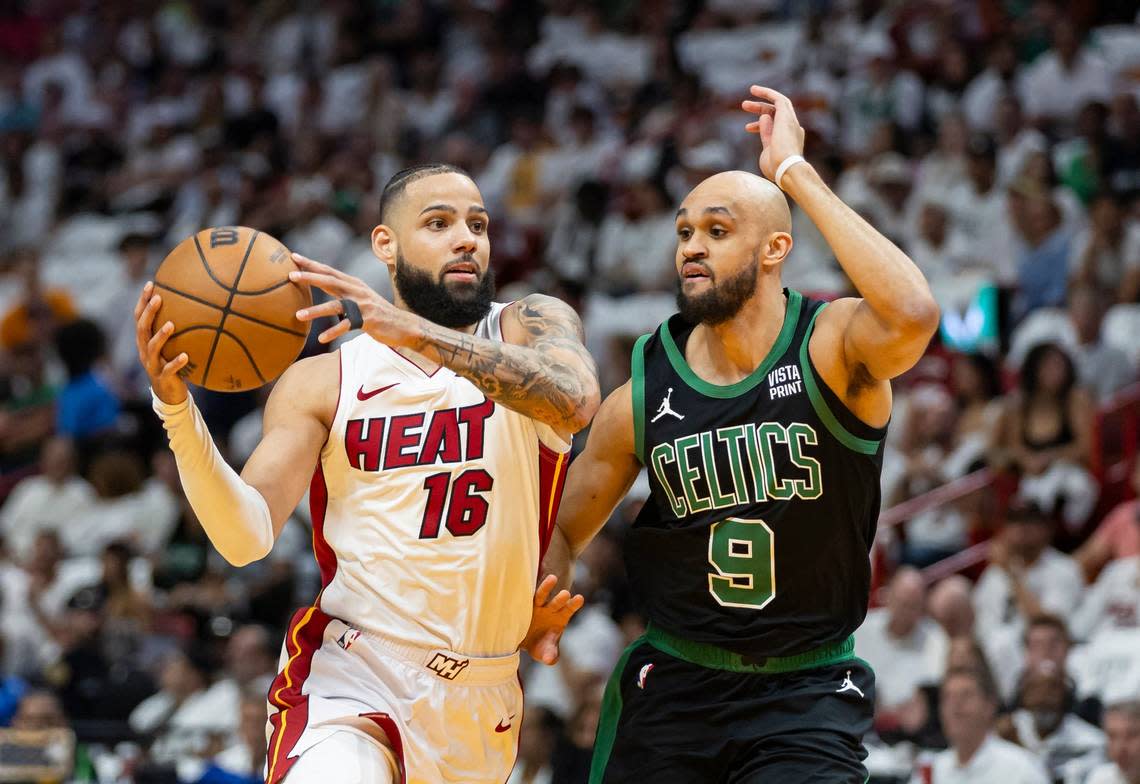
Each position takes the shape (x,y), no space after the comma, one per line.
(996,141)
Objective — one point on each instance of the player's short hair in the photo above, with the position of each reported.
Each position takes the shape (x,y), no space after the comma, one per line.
(981,676)
(401,179)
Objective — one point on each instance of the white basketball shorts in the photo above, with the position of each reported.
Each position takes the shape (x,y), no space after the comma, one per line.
(446,716)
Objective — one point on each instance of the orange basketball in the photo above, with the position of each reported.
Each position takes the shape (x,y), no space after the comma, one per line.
(227,292)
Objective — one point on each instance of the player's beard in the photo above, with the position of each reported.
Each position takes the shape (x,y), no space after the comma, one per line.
(454,305)
(722,299)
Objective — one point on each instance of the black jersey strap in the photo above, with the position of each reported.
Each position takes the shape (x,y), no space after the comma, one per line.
(637,380)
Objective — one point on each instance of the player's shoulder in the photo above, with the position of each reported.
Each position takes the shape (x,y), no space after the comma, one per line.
(310,385)
(536,315)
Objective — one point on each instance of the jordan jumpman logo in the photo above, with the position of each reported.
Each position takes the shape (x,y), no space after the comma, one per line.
(849,685)
(665,408)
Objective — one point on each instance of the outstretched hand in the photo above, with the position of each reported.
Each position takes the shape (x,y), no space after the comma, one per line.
(548,620)
(383,321)
(776,125)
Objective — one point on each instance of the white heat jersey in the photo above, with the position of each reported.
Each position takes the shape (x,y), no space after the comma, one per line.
(432,504)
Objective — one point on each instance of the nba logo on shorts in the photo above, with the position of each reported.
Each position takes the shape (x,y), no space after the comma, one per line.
(447,667)
(348,638)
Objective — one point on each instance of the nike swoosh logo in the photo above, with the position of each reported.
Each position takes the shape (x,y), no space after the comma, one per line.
(362,395)
(501,728)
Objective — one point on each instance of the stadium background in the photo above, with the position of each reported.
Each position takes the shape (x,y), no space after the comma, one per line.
(996,141)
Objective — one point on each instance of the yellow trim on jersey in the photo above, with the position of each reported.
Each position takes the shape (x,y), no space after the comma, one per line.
(554,488)
(288,684)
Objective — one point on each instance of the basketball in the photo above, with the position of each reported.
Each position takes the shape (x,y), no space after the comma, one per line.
(227,292)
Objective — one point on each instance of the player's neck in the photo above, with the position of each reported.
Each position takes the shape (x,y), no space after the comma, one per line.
(734,349)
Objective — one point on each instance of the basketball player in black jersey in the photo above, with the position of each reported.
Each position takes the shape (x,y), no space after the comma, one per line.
(760,415)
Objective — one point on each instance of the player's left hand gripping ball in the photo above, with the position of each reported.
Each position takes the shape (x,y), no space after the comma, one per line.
(373,314)
(548,620)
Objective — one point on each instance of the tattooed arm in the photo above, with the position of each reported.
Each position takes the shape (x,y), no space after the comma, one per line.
(541,370)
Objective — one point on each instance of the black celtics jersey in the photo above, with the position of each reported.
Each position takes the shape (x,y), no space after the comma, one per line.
(764,497)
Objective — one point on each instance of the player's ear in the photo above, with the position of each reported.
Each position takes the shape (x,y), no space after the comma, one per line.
(384,244)
(777,248)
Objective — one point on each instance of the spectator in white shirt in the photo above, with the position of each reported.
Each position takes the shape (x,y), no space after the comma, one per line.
(968,706)
(1113,601)
(1026,576)
(1064,79)
(1045,723)
(1102,368)
(49,501)
(979,102)
(1122,726)
(905,648)
(980,210)
(1108,250)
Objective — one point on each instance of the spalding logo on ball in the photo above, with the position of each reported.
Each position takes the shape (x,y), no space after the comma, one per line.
(227,292)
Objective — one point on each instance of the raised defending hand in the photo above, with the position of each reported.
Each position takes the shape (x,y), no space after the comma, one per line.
(777,126)
(379,318)
(164,376)
(548,620)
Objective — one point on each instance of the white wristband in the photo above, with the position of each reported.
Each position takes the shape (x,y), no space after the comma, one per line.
(786,164)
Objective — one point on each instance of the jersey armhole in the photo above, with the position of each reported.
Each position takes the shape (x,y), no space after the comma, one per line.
(866,446)
(637,379)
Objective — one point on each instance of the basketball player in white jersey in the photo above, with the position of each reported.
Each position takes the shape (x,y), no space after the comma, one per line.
(436,444)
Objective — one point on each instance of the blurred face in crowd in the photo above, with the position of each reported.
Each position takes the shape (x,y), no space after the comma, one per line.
(1053,372)
(967,713)
(1027,539)
(39,710)
(435,243)
(179,677)
(1043,695)
(933,222)
(964,653)
(952,606)
(1085,312)
(1045,646)
(731,229)
(1123,730)
(906,601)
(248,655)
(57,459)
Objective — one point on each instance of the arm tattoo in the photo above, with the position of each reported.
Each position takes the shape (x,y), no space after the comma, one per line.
(552,378)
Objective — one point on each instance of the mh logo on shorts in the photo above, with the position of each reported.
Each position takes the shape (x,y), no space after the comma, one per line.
(447,667)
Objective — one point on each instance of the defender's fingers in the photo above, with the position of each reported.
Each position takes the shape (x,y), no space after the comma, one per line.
(544,588)
(559,601)
(773,96)
(576,603)
(756,107)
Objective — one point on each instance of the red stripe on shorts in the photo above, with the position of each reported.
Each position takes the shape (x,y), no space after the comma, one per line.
(306,631)
(385,723)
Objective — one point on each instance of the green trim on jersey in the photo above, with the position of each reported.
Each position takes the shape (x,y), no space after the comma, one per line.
(637,377)
(783,340)
(864,446)
(611,713)
(716,658)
